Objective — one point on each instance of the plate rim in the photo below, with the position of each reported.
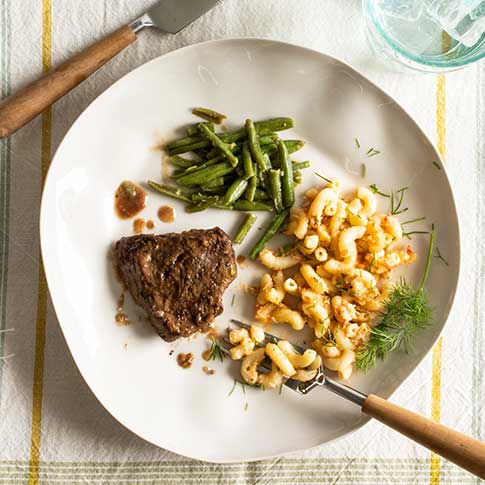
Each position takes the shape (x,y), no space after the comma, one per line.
(42,215)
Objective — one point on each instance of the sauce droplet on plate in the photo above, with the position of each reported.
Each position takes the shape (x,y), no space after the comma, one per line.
(138,226)
(185,360)
(208,370)
(121,318)
(150,224)
(206,354)
(130,199)
(166,213)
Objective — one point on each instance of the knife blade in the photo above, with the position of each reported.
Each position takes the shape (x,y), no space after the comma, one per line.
(170,16)
(173,15)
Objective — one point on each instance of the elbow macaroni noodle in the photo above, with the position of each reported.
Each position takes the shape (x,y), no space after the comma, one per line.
(334,281)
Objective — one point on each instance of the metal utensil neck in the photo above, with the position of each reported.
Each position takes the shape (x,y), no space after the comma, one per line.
(141,23)
(347,392)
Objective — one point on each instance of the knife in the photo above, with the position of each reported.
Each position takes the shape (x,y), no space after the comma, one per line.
(170,16)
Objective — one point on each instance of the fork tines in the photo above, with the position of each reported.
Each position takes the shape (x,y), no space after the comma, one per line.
(291,383)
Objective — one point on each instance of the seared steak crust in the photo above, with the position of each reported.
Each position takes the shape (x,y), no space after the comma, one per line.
(179,279)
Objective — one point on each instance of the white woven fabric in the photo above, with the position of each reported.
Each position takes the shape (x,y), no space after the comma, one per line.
(80,441)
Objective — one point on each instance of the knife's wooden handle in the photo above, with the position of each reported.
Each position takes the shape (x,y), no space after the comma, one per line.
(456,447)
(17,110)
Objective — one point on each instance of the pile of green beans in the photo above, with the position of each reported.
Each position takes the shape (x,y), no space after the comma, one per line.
(248,169)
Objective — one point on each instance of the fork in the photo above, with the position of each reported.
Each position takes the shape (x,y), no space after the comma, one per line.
(456,447)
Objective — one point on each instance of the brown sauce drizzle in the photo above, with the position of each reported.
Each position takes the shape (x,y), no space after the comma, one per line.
(166,213)
(121,318)
(130,199)
(150,224)
(206,354)
(241,260)
(208,370)
(185,360)
(138,226)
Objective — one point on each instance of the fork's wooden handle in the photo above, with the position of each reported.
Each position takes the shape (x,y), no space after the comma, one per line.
(456,447)
(17,110)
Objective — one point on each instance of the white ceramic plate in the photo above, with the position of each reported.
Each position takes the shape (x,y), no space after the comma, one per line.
(129,368)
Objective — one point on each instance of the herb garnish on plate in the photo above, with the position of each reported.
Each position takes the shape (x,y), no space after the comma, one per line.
(405,312)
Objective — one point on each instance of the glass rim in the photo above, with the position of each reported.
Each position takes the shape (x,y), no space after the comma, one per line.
(420,60)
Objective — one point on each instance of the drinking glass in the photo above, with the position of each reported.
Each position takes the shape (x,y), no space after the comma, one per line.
(427,35)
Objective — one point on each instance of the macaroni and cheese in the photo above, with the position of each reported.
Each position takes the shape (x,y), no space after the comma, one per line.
(334,280)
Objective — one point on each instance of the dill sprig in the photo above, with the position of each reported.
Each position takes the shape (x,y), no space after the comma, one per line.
(236,382)
(397,199)
(408,234)
(372,152)
(418,219)
(357,143)
(329,338)
(405,312)
(437,165)
(215,352)
(322,177)
(439,256)
(375,190)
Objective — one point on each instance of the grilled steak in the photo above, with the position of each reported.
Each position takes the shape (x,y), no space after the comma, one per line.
(179,279)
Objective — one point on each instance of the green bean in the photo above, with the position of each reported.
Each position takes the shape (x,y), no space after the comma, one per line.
(170,191)
(206,174)
(218,182)
(255,147)
(297,177)
(268,139)
(251,189)
(213,152)
(261,194)
(247,162)
(270,149)
(209,115)
(181,162)
(270,231)
(301,165)
(292,146)
(244,228)
(215,190)
(273,124)
(212,161)
(217,142)
(180,173)
(274,182)
(266,127)
(201,153)
(287,188)
(246,205)
(203,205)
(198,197)
(188,147)
(193,130)
(235,191)
(267,160)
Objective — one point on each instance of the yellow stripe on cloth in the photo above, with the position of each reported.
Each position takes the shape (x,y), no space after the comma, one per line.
(435,463)
(40,326)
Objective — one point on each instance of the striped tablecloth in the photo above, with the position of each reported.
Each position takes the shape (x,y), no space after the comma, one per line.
(52,429)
